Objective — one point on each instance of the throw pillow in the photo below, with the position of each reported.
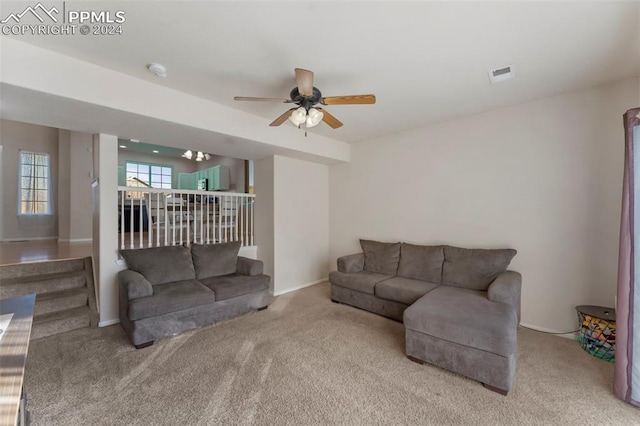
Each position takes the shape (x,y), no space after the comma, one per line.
(474,268)
(214,260)
(160,265)
(421,262)
(380,257)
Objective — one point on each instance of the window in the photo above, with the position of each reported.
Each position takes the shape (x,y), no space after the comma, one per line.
(145,174)
(34,183)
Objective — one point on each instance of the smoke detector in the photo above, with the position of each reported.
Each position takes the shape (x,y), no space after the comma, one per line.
(157,69)
(501,74)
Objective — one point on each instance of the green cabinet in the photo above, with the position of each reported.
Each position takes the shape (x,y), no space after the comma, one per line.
(218,178)
(186,181)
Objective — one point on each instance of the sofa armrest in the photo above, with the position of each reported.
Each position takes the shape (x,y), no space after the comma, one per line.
(249,267)
(351,263)
(506,288)
(135,284)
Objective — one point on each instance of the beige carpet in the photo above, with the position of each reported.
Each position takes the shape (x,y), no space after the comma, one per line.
(305,360)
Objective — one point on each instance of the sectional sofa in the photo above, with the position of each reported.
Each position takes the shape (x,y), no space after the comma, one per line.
(460,307)
(168,290)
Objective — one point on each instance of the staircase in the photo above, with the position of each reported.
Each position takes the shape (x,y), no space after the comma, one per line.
(65,298)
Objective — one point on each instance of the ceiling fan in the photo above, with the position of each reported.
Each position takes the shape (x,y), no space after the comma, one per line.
(306,96)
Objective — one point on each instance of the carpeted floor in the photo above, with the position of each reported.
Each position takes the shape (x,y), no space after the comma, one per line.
(305,360)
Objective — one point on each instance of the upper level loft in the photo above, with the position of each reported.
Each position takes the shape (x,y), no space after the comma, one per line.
(170,196)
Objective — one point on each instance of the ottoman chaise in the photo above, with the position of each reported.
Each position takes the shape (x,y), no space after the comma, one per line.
(460,307)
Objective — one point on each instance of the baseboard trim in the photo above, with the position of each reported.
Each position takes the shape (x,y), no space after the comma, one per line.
(17,240)
(109,322)
(289,290)
(76,240)
(570,335)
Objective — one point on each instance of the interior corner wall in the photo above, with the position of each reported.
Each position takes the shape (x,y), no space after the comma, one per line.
(264,214)
(16,136)
(292,221)
(301,223)
(64,178)
(81,153)
(543,177)
(75,173)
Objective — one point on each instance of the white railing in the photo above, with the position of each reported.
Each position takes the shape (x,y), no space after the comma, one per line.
(151,217)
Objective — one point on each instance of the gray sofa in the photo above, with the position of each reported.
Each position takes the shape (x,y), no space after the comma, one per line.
(460,307)
(168,290)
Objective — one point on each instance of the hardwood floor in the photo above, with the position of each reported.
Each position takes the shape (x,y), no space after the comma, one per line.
(37,251)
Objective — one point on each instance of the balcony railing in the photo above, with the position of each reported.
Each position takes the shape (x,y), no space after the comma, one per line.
(159,217)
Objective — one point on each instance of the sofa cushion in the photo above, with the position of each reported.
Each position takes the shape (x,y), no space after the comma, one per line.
(170,297)
(214,260)
(403,290)
(381,258)
(465,317)
(234,285)
(474,268)
(161,265)
(364,282)
(421,262)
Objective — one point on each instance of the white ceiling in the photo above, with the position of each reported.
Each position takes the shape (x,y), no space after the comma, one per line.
(426,62)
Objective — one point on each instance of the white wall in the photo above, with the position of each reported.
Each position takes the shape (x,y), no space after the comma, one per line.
(74,186)
(301,223)
(80,186)
(64,179)
(544,178)
(16,136)
(292,221)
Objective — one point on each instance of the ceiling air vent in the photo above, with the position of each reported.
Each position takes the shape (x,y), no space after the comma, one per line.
(502,74)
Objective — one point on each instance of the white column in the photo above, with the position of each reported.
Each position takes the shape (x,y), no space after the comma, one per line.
(263,216)
(105,226)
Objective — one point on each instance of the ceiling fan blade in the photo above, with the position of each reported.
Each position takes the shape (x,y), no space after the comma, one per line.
(248,98)
(348,100)
(304,79)
(330,119)
(278,121)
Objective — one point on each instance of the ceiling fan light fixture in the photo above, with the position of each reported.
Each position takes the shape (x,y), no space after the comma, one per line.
(305,95)
(314,117)
(298,116)
(196,155)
